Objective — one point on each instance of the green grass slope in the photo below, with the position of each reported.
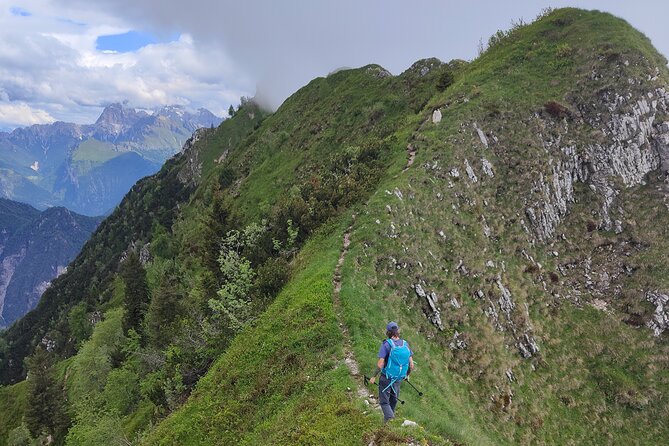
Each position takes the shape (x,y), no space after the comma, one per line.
(534,329)
(595,379)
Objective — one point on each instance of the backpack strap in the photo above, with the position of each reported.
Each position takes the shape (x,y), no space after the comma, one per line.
(387,358)
(390,385)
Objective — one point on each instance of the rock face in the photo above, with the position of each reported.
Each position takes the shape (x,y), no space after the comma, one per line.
(88,168)
(34,252)
(660,321)
(433,312)
(635,144)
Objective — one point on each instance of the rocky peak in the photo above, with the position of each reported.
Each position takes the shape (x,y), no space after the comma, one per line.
(424,66)
(207,118)
(201,118)
(116,119)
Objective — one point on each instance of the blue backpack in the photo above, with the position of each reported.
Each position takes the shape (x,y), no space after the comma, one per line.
(397,365)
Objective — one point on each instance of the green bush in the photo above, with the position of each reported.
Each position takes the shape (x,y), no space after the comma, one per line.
(121,392)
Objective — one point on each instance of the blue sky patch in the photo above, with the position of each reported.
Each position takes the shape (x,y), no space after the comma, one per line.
(15,10)
(130,41)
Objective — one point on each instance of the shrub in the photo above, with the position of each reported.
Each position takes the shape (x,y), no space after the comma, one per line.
(121,393)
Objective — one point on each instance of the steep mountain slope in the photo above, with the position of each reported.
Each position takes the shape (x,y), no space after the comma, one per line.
(99,189)
(151,204)
(35,248)
(463,246)
(13,215)
(537,197)
(75,165)
(505,212)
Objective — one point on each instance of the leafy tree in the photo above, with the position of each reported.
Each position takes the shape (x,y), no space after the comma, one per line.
(234,299)
(161,242)
(90,367)
(46,412)
(79,325)
(445,80)
(97,427)
(136,293)
(121,392)
(272,275)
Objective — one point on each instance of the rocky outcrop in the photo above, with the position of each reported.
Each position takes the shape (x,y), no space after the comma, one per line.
(482,137)
(634,145)
(501,310)
(192,172)
(432,311)
(660,320)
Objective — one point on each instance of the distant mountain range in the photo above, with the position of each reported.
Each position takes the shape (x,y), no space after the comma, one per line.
(35,247)
(89,168)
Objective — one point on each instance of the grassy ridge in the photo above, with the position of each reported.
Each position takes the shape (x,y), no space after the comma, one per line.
(282,381)
(594,379)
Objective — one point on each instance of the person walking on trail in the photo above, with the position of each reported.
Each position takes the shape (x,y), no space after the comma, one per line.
(394,364)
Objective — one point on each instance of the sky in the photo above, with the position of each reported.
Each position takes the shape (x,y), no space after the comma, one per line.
(67,59)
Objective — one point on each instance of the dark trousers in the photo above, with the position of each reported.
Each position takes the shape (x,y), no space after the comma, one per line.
(388,398)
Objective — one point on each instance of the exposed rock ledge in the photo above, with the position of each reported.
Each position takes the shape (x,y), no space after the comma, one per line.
(635,145)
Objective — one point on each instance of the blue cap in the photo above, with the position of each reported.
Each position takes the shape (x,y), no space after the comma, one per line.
(391,325)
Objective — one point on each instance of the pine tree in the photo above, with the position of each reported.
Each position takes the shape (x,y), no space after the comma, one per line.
(46,411)
(163,311)
(231,111)
(136,293)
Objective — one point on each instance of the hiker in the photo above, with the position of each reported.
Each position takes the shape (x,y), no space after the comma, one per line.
(394,364)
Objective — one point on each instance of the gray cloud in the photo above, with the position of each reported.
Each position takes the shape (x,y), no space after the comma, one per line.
(284,44)
(238,46)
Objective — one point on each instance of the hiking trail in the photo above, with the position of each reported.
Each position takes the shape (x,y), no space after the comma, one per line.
(349,356)
(411,156)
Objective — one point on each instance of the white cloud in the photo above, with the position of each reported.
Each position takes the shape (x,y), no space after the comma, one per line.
(49,64)
(20,114)
(49,60)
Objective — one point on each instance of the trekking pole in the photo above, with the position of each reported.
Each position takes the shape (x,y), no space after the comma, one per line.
(365,379)
(413,387)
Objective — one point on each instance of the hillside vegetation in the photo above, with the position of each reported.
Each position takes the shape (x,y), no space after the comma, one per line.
(504,211)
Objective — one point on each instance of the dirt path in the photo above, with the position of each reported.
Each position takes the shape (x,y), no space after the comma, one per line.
(349,356)
(411,154)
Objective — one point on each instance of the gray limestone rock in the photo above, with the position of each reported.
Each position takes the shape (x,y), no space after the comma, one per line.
(482,136)
(660,321)
(470,172)
(487,168)
(505,302)
(457,343)
(634,145)
(434,313)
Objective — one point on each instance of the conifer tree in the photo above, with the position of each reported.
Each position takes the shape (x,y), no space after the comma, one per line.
(136,293)
(46,412)
(163,311)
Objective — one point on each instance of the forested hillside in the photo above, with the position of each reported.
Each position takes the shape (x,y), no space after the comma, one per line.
(507,212)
